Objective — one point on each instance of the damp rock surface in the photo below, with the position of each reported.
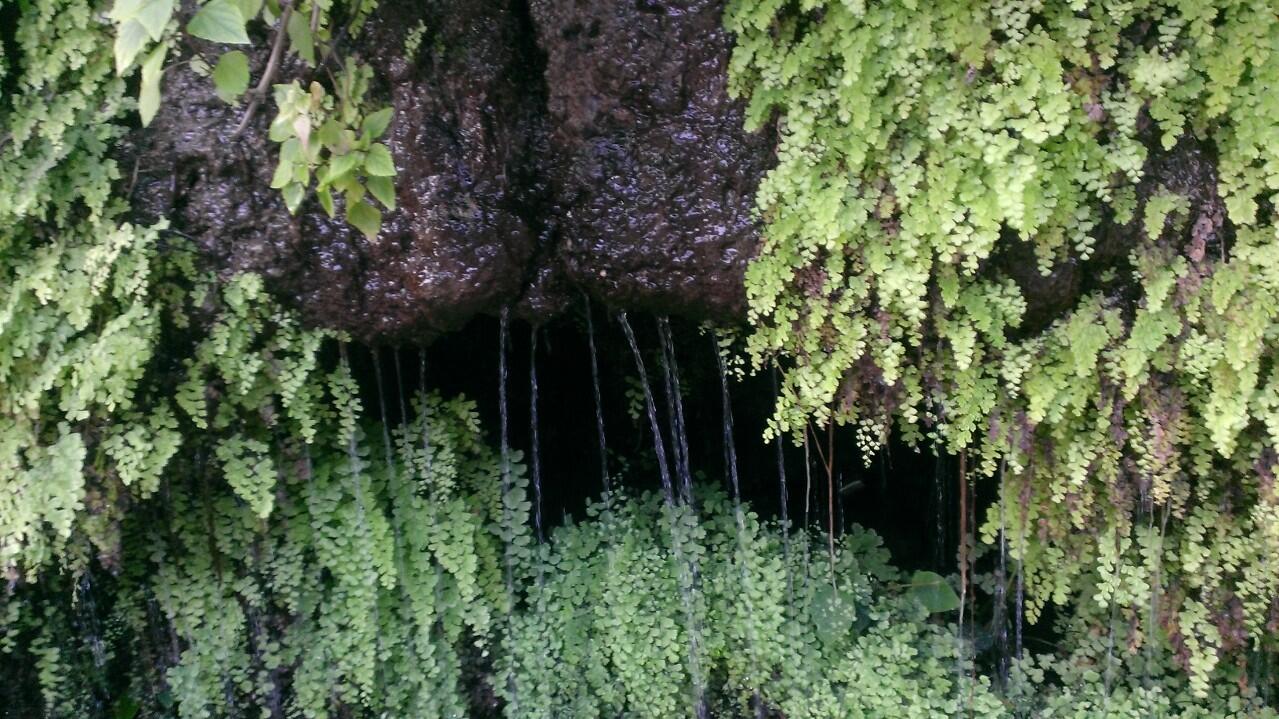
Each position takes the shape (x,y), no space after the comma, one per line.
(544,149)
(653,175)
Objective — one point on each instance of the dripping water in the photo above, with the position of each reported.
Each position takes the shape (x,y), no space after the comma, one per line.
(1020,603)
(381,403)
(505,470)
(535,450)
(1001,603)
(663,468)
(961,654)
(685,572)
(599,404)
(90,630)
(428,478)
(939,546)
(356,468)
(730,466)
(808,494)
(675,408)
(782,498)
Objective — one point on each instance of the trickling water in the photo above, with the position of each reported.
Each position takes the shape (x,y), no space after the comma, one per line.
(782,498)
(426,429)
(808,494)
(91,628)
(684,571)
(427,465)
(962,652)
(1019,605)
(89,631)
(535,451)
(939,547)
(663,468)
(599,404)
(730,465)
(675,407)
(505,470)
(381,405)
(1001,604)
(356,468)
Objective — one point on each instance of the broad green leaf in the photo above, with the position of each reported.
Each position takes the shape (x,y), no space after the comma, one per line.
(123,10)
(292,193)
(283,174)
(151,15)
(149,92)
(375,124)
(934,592)
(383,188)
(300,39)
(219,21)
(231,76)
(364,217)
(329,133)
(378,163)
(326,200)
(154,16)
(342,165)
(249,9)
(129,41)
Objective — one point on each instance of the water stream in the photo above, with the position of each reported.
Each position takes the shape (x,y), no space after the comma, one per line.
(685,572)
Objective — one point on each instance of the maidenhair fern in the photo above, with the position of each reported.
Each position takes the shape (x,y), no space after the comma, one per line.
(924,144)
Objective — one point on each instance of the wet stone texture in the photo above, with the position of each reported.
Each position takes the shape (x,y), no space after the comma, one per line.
(653,175)
(544,150)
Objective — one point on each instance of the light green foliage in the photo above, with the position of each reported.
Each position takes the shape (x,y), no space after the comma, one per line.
(331,140)
(78,316)
(361,585)
(606,636)
(922,142)
(1118,676)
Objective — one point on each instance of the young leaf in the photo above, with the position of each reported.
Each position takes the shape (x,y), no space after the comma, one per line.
(249,9)
(283,173)
(934,592)
(326,200)
(292,193)
(378,163)
(383,188)
(330,133)
(376,123)
(129,40)
(300,39)
(365,217)
(342,165)
(154,16)
(219,21)
(231,76)
(149,92)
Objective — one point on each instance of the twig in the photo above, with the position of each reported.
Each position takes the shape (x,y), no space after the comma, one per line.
(268,76)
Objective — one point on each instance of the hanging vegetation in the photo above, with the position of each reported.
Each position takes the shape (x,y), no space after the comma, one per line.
(1037,234)
(1042,234)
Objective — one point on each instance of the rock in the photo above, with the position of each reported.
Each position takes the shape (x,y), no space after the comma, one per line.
(653,175)
(542,152)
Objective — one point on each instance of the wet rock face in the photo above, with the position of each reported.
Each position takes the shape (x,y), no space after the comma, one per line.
(543,151)
(653,175)
(467,122)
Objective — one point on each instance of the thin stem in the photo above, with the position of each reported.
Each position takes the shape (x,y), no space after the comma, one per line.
(268,75)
